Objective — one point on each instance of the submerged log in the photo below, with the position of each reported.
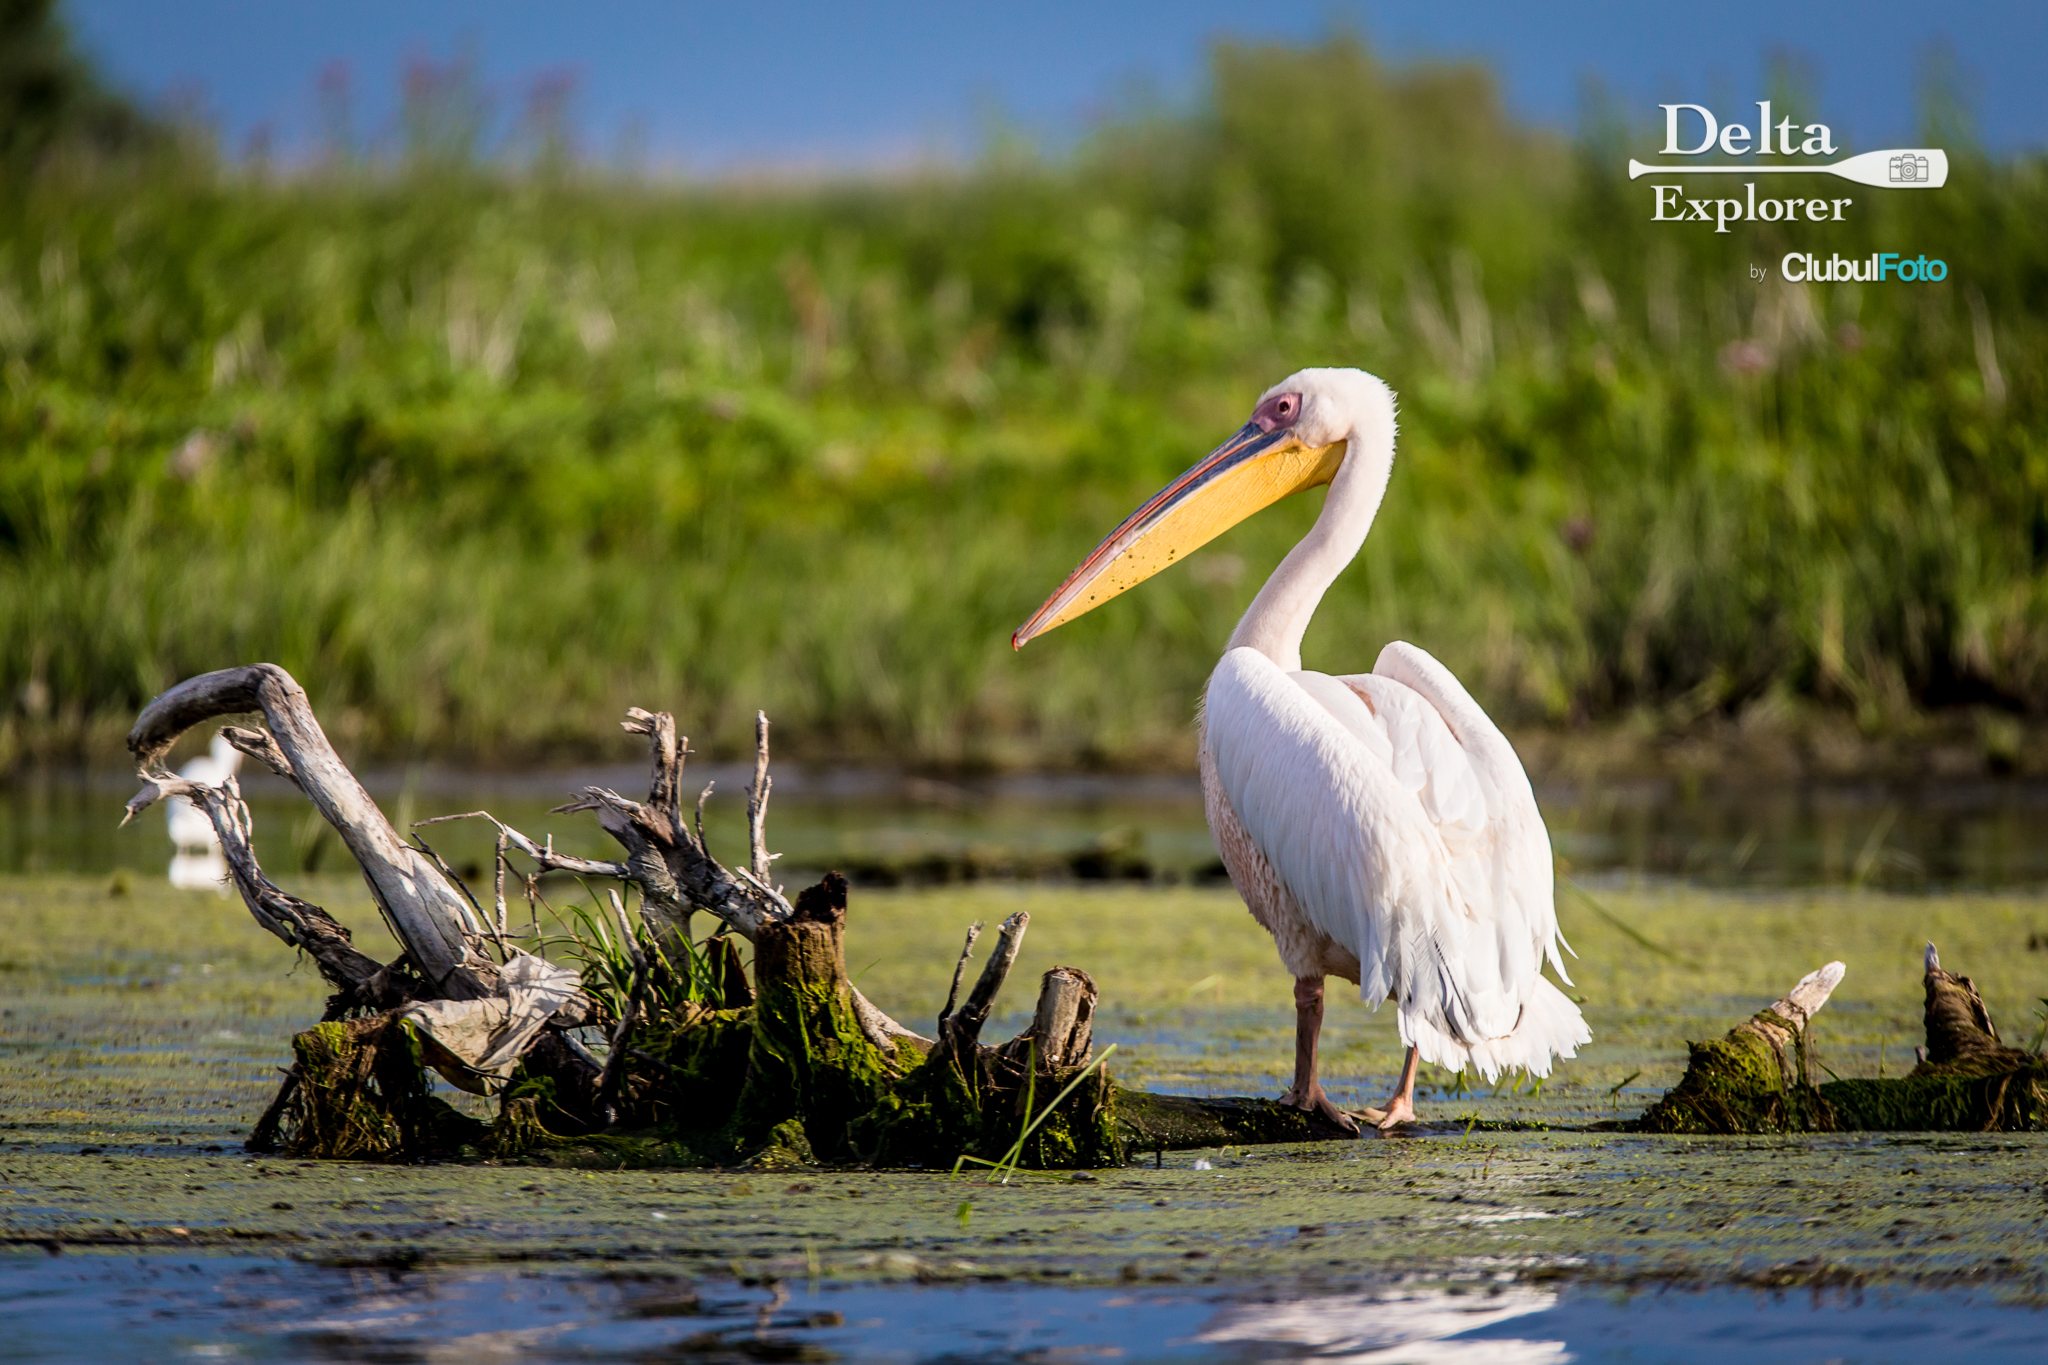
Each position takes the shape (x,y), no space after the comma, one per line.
(1168,1123)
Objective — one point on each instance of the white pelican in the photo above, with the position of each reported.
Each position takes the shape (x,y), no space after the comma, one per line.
(196,860)
(1377,824)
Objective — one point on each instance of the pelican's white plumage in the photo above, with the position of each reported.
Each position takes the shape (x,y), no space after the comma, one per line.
(1413,856)
(1378,824)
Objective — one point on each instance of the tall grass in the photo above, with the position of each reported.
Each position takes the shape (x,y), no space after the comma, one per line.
(483,455)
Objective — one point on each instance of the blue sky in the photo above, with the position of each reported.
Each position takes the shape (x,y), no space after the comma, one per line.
(783,84)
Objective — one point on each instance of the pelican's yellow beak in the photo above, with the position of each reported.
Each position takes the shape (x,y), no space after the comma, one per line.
(1253,469)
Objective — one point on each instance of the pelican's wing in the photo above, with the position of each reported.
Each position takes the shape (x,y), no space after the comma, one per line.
(1354,847)
(1450,753)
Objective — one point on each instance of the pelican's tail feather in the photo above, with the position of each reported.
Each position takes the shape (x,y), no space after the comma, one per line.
(1550,1027)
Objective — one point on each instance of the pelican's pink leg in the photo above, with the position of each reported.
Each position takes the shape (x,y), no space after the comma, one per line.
(1401,1108)
(1308,1027)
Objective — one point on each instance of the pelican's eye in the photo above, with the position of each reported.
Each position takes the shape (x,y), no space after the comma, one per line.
(1281,410)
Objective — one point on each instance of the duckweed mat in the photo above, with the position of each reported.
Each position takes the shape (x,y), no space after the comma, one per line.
(130,1074)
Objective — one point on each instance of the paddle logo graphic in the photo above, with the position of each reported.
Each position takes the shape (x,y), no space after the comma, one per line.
(1793,149)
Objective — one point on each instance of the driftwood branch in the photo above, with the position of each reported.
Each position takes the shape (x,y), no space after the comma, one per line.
(498,925)
(298,923)
(543,854)
(1961,1039)
(959,974)
(667,860)
(669,752)
(423,909)
(757,805)
(258,744)
(881,1030)
(1754,1078)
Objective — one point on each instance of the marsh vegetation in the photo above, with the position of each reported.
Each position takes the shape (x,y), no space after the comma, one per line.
(485,449)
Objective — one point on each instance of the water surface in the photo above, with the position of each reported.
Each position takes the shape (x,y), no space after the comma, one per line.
(890,828)
(74,1308)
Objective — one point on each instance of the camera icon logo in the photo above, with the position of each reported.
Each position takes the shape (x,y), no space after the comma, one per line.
(1908,169)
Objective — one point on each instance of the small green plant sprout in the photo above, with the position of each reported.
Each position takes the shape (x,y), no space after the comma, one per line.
(964,1215)
(1614,1091)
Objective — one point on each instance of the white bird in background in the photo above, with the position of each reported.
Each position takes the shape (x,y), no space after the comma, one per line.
(1377,824)
(196,861)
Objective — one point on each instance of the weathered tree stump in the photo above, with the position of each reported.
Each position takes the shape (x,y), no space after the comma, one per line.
(362,1095)
(1968,1081)
(1755,1079)
(809,1060)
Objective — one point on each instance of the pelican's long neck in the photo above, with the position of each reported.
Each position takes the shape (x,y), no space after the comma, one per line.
(1278,617)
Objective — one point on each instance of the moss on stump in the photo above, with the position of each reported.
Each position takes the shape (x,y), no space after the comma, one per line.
(363,1095)
(1750,1080)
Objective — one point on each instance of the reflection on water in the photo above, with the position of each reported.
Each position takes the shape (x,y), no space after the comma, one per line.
(78,1308)
(887,828)
(1409,1325)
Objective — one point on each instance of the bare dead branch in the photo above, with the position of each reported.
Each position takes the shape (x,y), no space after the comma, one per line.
(757,804)
(423,911)
(672,865)
(471,911)
(258,744)
(963,1031)
(542,854)
(959,973)
(880,1029)
(668,753)
(298,923)
(498,888)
